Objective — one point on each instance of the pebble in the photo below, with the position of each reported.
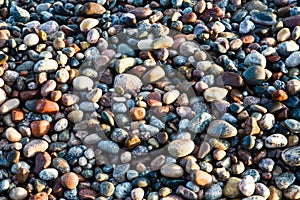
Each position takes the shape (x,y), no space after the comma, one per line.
(255,59)
(92,9)
(171,171)
(34,146)
(293,192)
(201,178)
(285,180)
(70,180)
(109,146)
(18,193)
(45,106)
(48,174)
(154,74)
(12,135)
(123,64)
(49,27)
(83,83)
(293,125)
(276,141)
(61,125)
(88,23)
(127,82)
(181,147)
(137,194)
(214,93)
(291,156)
(9,105)
(31,39)
(231,188)
(122,190)
(254,75)
(262,190)
(61,165)
(47,65)
(221,129)
(293,59)
(247,186)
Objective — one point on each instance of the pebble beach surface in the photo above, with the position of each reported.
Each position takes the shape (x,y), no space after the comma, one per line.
(156,100)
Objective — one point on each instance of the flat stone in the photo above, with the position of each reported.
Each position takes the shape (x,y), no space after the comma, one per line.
(171,171)
(109,146)
(221,129)
(154,74)
(18,193)
(47,65)
(293,125)
(232,79)
(291,21)
(162,42)
(128,82)
(141,12)
(276,140)
(263,17)
(92,9)
(48,174)
(181,147)
(9,105)
(34,146)
(83,83)
(214,93)
(88,23)
(285,180)
(293,60)
(231,188)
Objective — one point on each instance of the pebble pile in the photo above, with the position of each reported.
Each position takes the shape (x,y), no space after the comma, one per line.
(160,99)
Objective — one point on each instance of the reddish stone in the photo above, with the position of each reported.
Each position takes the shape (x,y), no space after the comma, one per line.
(45,106)
(39,196)
(87,194)
(17,115)
(42,161)
(154,99)
(189,18)
(30,94)
(273,58)
(279,95)
(39,128)
(247,39)
(232,79)
(141,12)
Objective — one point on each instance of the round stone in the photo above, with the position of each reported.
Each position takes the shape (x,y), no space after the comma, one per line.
(247,186)
(70,180)
(83,83)
(254,75)
(107,188)
(31,39)
(18,193)
(214,93)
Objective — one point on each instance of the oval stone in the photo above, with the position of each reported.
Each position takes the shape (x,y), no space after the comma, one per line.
(181,147)
(291,156)
(221,129)
(276,141)
(172,171)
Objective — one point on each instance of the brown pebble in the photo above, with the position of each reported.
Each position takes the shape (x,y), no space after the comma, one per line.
(245,156)
(251,126)
(232,79)
(39,196)
(189,18)
(30,94)
(236,95)
(201,178)
(279,95)
(141,12)
(92,9)
(204,149)
(248,39)
(55,95)
(17,115)
(59,43)
(87,194)
(39,128)
(45,106)
(42,161)
(137,113)
(132,141)
(154,99)
(22,175)
(69,180)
